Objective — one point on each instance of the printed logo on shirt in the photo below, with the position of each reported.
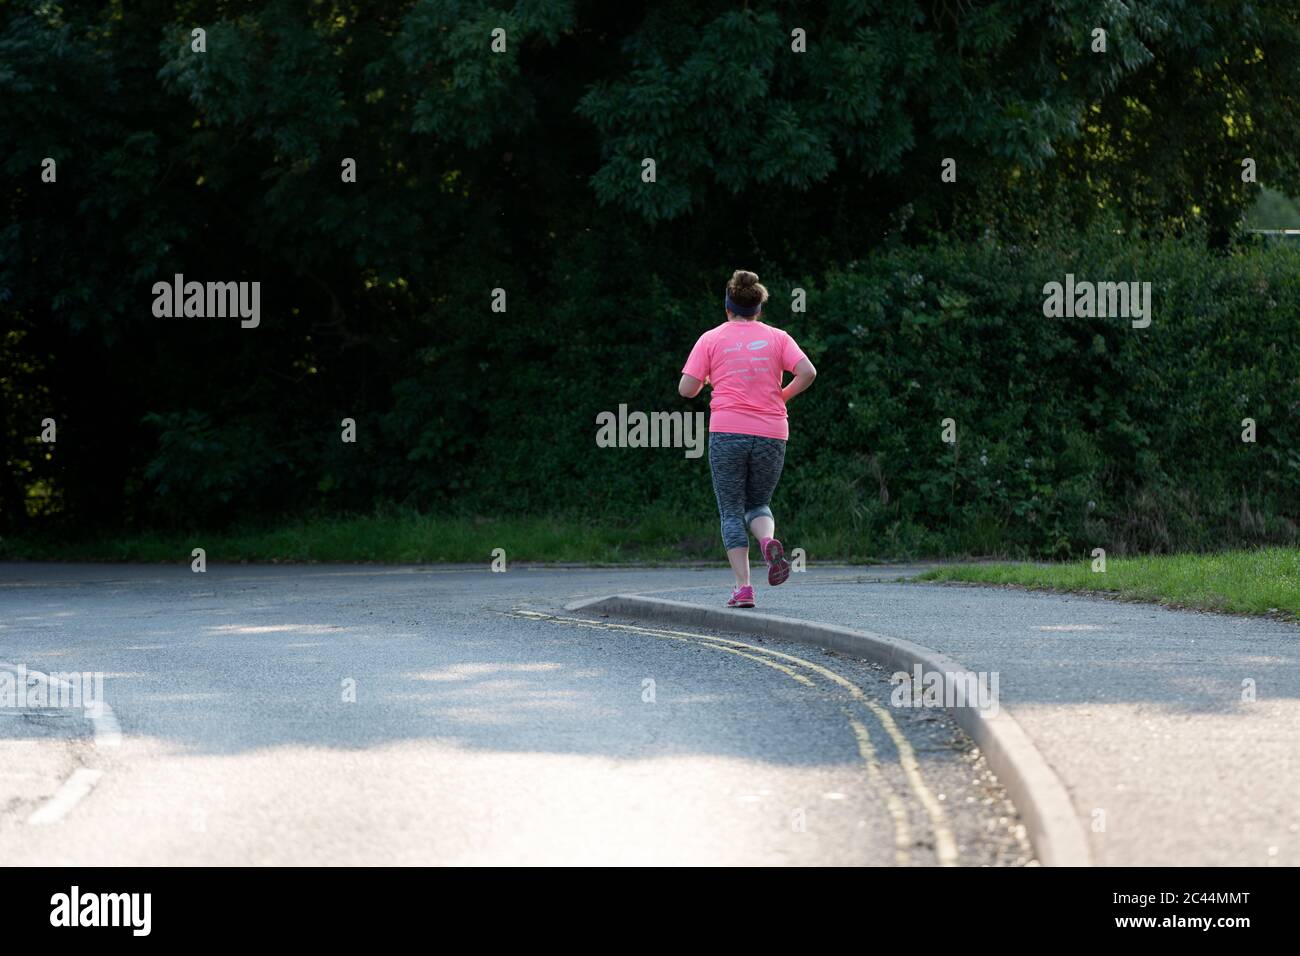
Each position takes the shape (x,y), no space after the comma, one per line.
(755,346)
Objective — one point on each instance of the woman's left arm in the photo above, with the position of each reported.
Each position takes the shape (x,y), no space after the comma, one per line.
(689,386)
(804,373)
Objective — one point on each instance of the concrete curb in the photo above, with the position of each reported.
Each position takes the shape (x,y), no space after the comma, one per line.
(1053,827)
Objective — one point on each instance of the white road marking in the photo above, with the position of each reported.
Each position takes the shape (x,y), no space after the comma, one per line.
(76,787)
(108,732)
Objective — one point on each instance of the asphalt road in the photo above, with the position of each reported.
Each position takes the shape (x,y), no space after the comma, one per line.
(377,715)
(1176,733)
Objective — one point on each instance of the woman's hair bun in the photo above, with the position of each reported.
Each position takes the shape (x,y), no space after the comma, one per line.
(745,289)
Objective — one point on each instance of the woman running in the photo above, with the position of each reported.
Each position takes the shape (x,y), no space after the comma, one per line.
(743,360)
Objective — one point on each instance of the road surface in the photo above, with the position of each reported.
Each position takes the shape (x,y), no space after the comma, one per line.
(328,715)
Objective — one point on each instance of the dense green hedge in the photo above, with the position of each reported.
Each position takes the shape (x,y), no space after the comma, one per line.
(1071,433)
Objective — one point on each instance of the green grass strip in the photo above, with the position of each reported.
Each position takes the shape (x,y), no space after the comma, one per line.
(1243,582)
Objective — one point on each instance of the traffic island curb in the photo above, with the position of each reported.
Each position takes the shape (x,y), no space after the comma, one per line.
(1052,826)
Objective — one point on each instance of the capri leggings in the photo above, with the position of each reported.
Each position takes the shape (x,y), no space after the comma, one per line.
(745,471)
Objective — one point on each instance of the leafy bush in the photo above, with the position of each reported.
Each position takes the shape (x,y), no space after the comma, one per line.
(1071,432)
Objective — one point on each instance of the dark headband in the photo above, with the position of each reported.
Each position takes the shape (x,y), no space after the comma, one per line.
(744,311)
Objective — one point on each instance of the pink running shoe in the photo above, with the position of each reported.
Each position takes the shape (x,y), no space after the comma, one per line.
(742,597)
(778,568)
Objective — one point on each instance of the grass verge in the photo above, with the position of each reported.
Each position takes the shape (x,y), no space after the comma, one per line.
(408,538)
(658,535)
(1266,581)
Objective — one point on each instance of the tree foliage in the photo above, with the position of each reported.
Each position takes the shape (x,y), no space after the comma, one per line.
(521,170)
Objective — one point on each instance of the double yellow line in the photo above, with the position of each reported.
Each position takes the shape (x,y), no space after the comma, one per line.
(798,669)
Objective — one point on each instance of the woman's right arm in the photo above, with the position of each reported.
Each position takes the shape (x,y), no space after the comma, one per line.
(696,371)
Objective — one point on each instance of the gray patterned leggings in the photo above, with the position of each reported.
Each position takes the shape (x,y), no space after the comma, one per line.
(745,471)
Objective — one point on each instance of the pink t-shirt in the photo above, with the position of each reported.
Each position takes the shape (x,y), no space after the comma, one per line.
(743,361)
